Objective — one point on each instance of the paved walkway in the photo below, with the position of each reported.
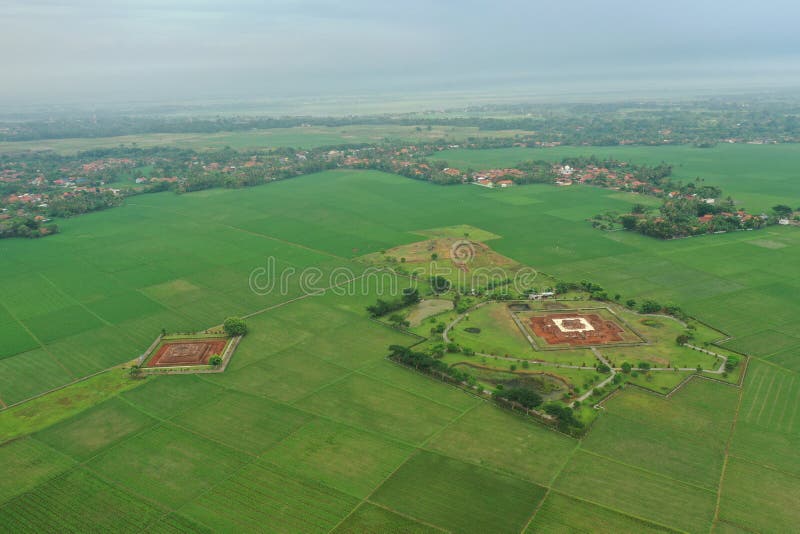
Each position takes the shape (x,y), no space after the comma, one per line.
(614,370)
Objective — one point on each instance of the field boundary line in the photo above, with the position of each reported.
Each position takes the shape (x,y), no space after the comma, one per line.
(317,293)
(765,466)
(783,411)
(252,460)
(388,383)
(43,346)
(644,470)
(417,450)
(323,417)
(286,242)
(83,465)
(413,453)
(402,514)
(71,383)
(348,374)
(737,525)
(550,486)
(74,300)
(727,456)
(75,380)
(616,510)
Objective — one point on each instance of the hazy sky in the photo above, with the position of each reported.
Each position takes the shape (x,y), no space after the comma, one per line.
(113,50)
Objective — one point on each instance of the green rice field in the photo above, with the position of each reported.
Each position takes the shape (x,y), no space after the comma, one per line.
(311,429)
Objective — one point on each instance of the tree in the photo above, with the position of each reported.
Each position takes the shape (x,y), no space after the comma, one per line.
(439,284)
(410,296)
(136,371)
(525,397)
(783,211)
(398,321)
(626,368)
(682,339)
(603,368)
(644,366)
(630,303)
(215,360)
(235,326)
(650,306)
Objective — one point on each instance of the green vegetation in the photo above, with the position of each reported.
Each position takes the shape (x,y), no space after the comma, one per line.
(234,326)
(311,411)
(468,498)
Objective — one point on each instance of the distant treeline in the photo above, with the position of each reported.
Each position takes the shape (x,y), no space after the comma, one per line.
(703,123)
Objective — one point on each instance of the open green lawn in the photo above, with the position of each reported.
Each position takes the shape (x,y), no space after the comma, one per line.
(309,411)
(498,334)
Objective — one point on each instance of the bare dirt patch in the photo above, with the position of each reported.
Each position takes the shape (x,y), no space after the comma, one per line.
(576,329)
(189,352)
(428,308)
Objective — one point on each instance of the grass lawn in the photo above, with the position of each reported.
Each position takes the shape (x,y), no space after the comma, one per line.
(498,334)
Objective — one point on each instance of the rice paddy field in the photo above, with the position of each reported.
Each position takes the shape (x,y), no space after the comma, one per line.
(757,176)
(311,429)
(299,137)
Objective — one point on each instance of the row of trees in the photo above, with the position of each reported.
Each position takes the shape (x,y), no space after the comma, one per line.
(382,307)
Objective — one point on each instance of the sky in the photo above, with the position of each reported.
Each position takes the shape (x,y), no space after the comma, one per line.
(182,50)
